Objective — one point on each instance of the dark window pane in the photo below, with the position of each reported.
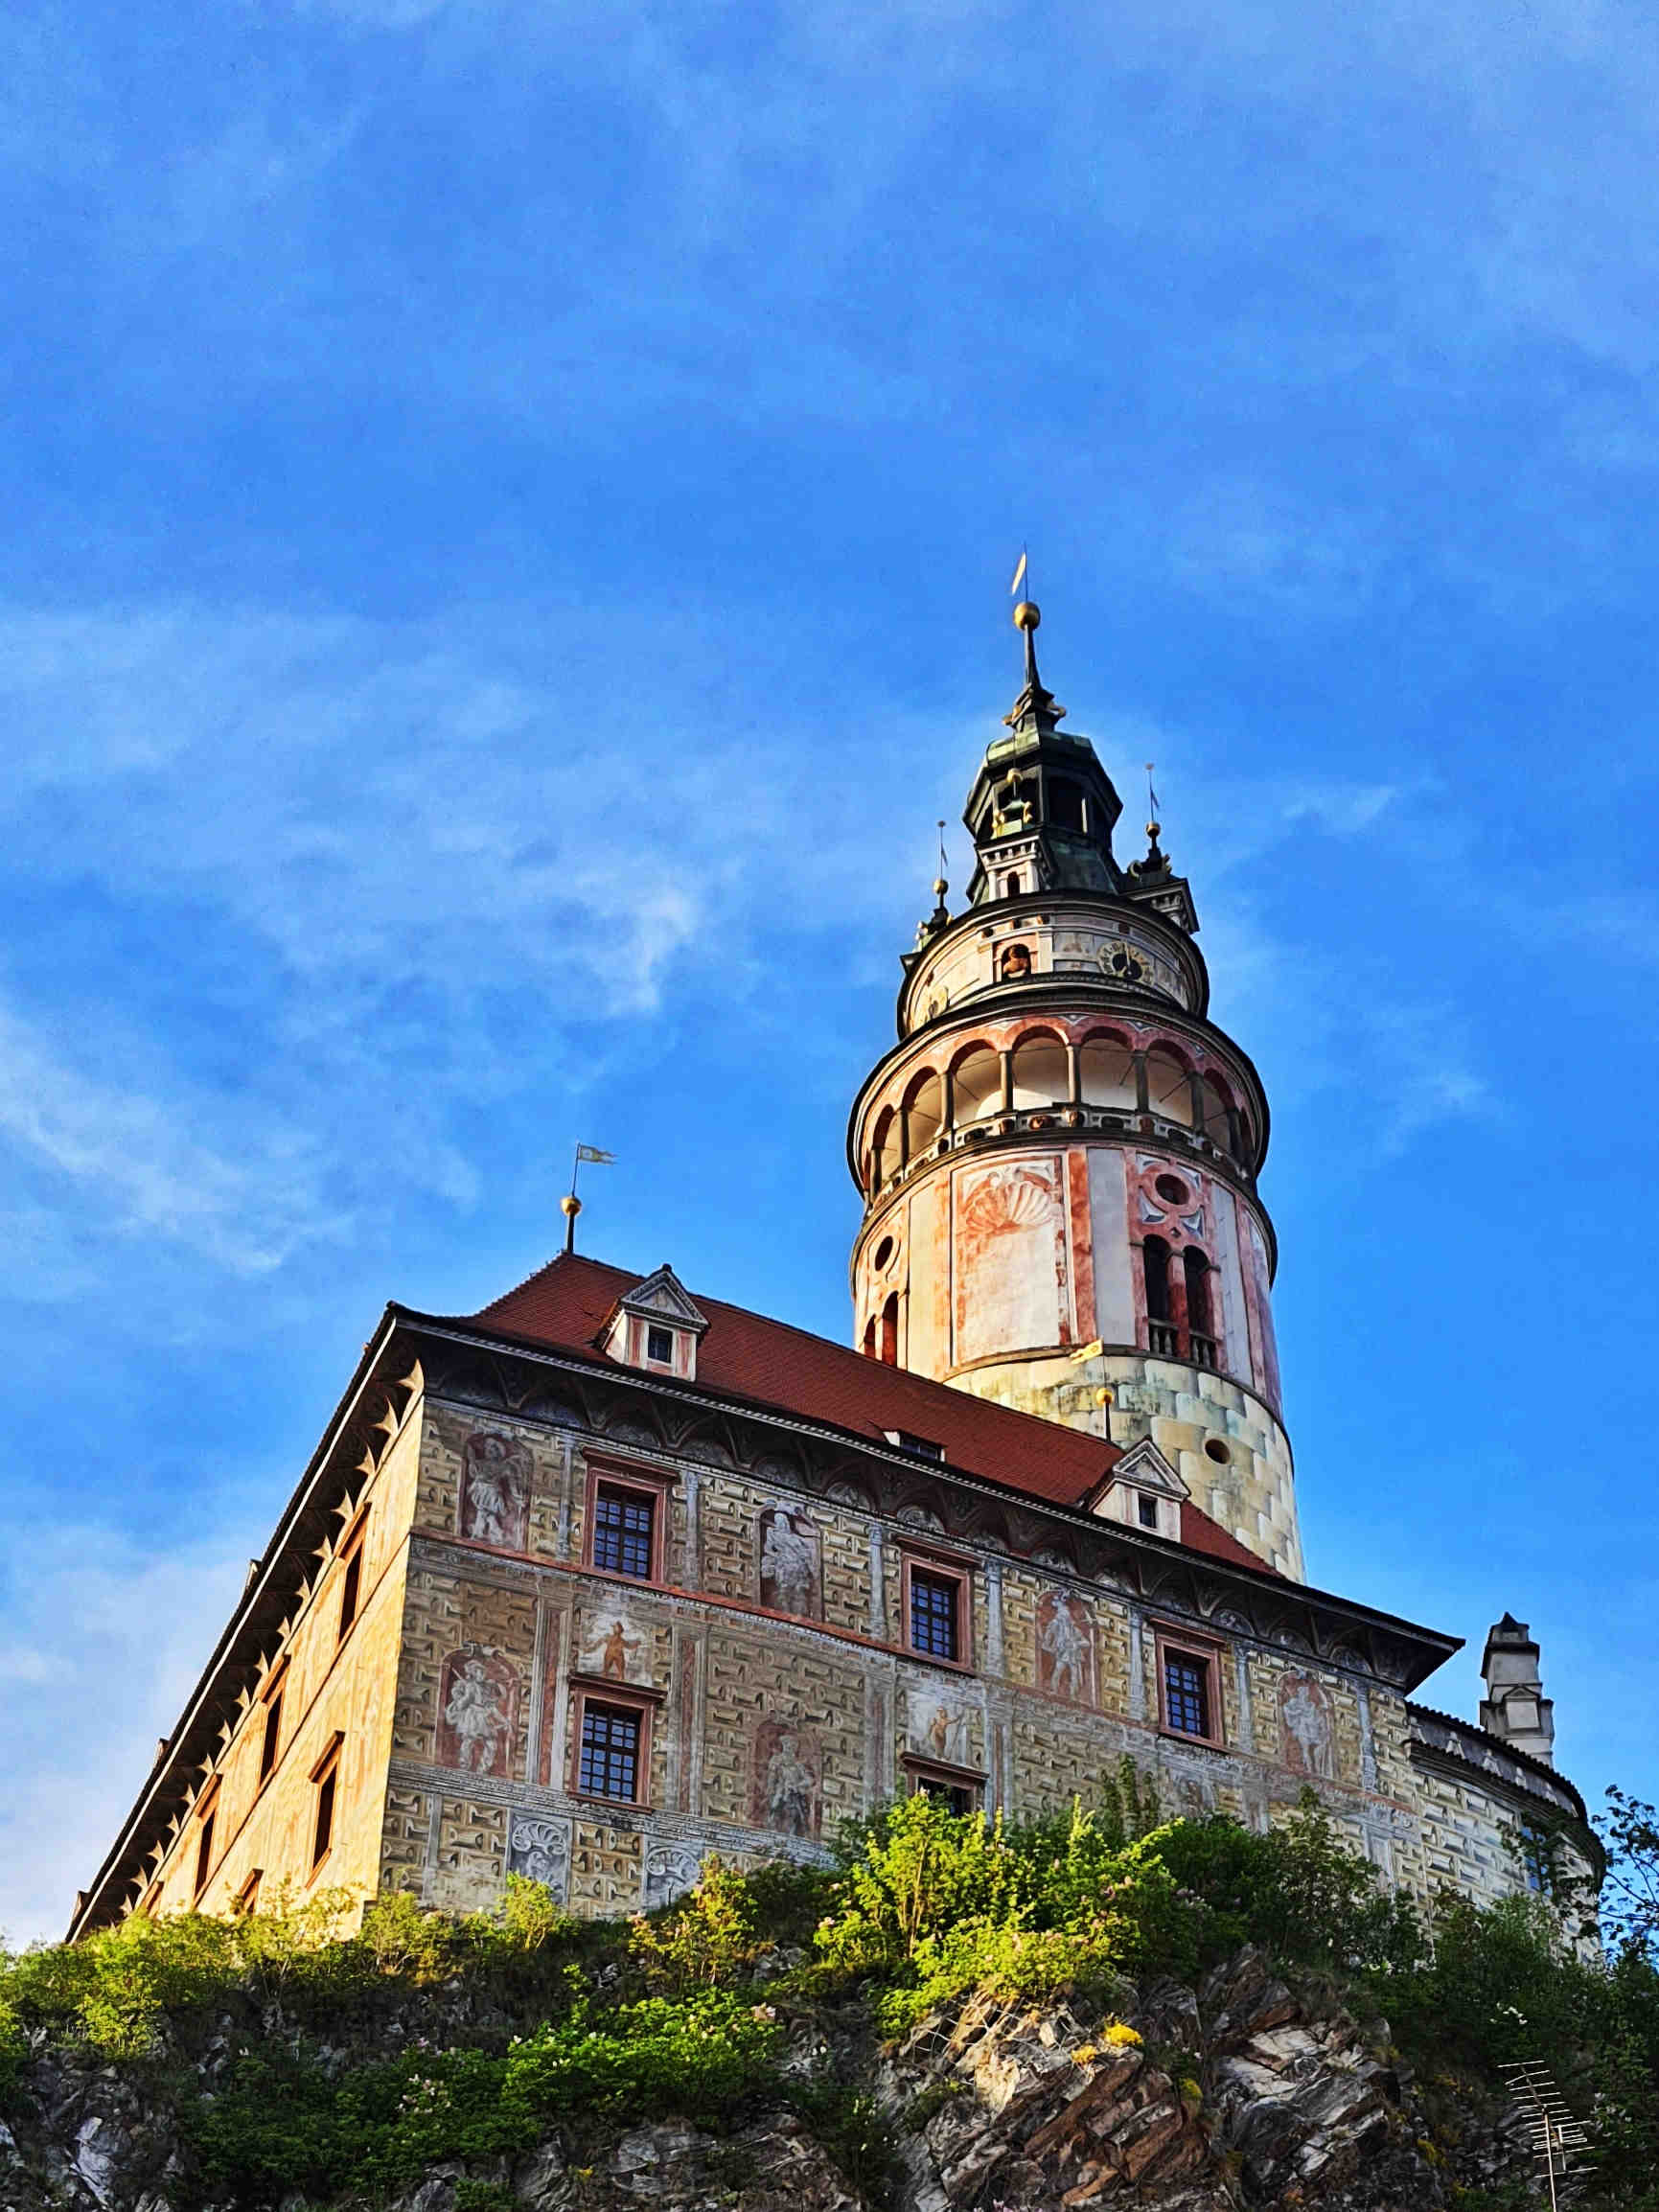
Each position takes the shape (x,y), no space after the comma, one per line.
(273,1723)
(957,1797)
(933,1625)
(349,1588)
(204,1854)
(659,1345)
(1186,1694)
(324,1814)
(622,1533)
(609,1752)
(1156,1254)
(1149,1512)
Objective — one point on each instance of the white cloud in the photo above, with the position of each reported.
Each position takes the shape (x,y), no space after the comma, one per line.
(142,1169)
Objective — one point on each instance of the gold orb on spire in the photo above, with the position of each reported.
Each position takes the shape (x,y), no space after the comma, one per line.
(1028,615)
(570,1205)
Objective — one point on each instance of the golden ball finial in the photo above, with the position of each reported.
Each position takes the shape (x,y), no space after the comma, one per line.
(941,886)
(570,1205)
(1028,615)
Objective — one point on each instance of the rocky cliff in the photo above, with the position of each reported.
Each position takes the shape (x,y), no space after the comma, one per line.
(1238,2092)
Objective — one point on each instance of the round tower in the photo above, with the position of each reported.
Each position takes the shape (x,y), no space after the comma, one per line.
(1058,1158)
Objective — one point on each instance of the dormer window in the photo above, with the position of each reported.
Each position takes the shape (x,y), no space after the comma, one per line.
(1142,1492)
(927,1447)
(658,1326)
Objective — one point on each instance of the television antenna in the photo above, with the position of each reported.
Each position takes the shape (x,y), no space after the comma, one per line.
(1555,2134)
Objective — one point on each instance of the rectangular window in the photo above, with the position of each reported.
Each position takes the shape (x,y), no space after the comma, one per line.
(610,1744)
(1537,1860)
(935,1609)
(1186,1694)
(325,1777)
(350,1585)
(624,1526)
(247,1897)
(204,1844)
(1148,1511)
(660,1345)
(270,1743)
(959,1797)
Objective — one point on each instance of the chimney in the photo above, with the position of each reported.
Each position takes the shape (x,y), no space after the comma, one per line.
(1514,1709)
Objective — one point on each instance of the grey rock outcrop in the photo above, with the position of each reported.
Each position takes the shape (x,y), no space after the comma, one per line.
(1241,2093)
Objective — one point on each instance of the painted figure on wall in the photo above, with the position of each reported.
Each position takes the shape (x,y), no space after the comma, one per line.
(938,1726)
(1307,1727)
(787,1777)
(496,1490)
(477,1701)
(1064,1648)
(790,1552)
(610,1647)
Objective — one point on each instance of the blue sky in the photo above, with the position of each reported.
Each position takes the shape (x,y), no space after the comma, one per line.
(508,512)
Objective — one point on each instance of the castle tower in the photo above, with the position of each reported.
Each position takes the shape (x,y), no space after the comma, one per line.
(1059,1157)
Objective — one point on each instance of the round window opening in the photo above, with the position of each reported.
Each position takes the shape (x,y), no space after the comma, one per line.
(1216,1450)
(1172,1189)
(884,1253)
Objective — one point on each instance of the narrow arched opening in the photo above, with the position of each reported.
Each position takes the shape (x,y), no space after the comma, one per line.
(976,1085)
(1200,1317)
(1169,1087)
(924,1114)
(1040,1072)
(890,1337)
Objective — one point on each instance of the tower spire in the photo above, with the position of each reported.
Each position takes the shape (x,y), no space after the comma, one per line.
(1035,709)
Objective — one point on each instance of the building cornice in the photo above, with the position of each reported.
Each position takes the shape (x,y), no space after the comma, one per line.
(335,1471)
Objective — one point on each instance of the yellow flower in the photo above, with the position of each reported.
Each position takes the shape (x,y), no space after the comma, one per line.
(1120,2036)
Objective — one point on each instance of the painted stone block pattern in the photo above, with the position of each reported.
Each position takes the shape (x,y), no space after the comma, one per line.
(464,1679)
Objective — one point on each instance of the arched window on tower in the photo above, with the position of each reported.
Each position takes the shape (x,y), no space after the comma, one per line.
(885,1152)
(890,1330)
(1040,1074)
(1155,1257)
(1169,1087)
(924,1115)
(1012,885)
(976,1085)
(870,1337)
(1217,1118)
(1200,1320)
(1107,1071)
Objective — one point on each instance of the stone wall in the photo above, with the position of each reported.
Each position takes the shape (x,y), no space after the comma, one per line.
(781,1700)
(334,1686)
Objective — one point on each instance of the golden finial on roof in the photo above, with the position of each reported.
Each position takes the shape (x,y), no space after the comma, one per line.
(1028,615)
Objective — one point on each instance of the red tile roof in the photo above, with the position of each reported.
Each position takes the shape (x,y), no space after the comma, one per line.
(745,1355)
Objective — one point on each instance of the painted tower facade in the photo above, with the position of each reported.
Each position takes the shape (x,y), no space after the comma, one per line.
(1059,1157)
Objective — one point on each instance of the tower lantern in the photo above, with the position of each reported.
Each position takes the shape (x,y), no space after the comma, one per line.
(1058,1158)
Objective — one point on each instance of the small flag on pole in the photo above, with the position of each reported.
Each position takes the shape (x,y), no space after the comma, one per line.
(1019,574)
(1151,794)
(593,1153)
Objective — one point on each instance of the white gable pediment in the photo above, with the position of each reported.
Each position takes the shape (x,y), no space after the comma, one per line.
(663,1297)
(1144,1465)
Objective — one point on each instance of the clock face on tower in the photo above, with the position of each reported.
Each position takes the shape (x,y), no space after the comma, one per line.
(1123,965)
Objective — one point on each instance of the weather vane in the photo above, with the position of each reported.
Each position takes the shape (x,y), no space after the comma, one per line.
(570,1205)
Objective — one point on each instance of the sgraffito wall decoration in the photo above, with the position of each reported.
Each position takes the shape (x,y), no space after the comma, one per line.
(787,1786)
(496,1490)
(1307,1727)
(477,1711)
(791,1563)
(1011,1273)
(1066,1647)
